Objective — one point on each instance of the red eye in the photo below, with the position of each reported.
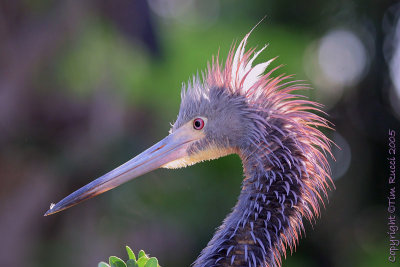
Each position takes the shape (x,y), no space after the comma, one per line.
(198,124)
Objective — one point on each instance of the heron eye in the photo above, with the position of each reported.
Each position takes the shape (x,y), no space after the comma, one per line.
(198,124)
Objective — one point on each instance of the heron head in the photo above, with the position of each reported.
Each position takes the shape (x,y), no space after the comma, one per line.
(213,121)
(208,126)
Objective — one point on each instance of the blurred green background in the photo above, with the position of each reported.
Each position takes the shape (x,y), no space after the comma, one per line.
(86,85)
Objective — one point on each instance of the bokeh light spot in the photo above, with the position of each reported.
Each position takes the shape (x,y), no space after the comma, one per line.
(337,62)
(342,57)
(342,154)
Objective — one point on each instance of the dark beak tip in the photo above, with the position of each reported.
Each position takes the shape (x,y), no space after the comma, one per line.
(49,212)
(52,210)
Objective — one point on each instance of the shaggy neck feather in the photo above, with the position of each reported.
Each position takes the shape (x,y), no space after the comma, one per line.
(268,214)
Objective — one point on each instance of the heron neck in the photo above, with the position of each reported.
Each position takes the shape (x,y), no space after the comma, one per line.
(267,216)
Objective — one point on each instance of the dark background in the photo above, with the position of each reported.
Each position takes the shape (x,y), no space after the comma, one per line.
(86,85)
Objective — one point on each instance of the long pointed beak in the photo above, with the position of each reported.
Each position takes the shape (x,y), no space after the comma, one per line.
(171,148)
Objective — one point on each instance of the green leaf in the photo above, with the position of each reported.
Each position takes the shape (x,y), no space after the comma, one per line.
(130,253)
(132,263)
(142,261)
(152,262)
(116,262)
(142,254)
(103,264)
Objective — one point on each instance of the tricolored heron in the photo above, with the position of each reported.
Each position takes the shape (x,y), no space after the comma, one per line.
(239,109)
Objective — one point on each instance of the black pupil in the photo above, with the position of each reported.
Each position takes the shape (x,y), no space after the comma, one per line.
(197,124)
